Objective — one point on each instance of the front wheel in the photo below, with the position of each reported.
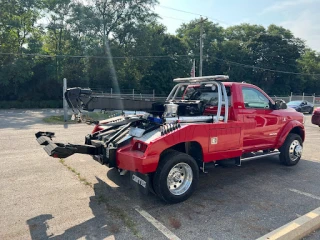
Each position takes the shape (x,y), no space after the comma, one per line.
(176,177)
(291,150)
(311,110)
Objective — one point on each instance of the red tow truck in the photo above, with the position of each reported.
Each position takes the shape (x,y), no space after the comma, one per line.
(203,120)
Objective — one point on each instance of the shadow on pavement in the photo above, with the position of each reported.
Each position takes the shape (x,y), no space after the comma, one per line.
(251,200)
(24,119)
(102,225)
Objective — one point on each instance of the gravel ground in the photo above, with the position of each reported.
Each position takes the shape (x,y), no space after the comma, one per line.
(44,198)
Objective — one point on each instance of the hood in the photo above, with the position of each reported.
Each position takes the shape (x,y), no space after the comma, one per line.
(293,105)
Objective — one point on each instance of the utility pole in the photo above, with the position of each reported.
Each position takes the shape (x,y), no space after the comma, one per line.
(201,45)
(65,104)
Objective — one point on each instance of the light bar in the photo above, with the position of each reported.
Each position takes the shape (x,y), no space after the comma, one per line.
(202,79)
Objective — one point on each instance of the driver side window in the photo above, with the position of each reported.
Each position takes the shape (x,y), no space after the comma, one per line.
(253,98)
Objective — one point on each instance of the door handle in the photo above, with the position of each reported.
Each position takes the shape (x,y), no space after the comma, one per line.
(250,116)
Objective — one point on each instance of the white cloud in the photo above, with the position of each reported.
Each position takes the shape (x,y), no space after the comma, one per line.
(301,17)
(279,6)
(305,25)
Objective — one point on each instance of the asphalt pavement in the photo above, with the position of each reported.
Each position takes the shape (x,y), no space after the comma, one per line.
(45,198)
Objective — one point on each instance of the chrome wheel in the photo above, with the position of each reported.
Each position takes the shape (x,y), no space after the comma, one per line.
(295,150)
(179,179)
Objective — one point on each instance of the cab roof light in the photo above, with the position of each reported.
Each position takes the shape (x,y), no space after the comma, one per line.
(202,79)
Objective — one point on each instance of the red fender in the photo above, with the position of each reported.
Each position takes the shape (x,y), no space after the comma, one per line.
(294,125)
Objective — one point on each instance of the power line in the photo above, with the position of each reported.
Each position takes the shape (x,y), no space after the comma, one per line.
(179,19)
(263,69)
(287,64)
(192,13)
(98,57)
(179,10)
(168,57)
(282,57)
(198,14)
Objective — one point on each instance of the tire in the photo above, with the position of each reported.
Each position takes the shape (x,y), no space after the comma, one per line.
(176,177)
(291,150)
(311,110)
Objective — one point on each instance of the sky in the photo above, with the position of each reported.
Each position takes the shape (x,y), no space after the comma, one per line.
(302,17)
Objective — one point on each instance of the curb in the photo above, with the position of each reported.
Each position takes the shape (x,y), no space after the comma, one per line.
(297,229)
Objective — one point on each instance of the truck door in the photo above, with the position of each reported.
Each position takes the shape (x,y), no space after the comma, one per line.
(261,124)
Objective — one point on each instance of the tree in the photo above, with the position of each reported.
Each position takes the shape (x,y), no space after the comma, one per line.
(244,32)
(164,70)
(107,18)
(190,34)
(17,28)
(108,29)
(222,59)
(309,63)
(275,52)
(145,49)
(120,44)
(57,12)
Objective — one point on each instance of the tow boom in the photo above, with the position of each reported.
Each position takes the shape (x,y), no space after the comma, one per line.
(85,99)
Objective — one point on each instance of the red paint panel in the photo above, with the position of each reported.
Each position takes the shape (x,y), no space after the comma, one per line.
(136,161)
(227,139)
(286,130)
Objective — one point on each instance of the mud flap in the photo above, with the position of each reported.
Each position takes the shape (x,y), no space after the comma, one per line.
(141,182)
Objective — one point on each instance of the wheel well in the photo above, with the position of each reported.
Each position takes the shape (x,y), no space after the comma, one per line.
(299,131)
(192,148)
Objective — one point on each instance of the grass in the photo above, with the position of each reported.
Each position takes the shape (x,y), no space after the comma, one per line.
(116,211)
(81,179)
(57,119)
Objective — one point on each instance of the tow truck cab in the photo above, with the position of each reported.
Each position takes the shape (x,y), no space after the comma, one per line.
(254,124)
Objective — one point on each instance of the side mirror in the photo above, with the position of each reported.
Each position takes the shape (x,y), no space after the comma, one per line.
(280,104)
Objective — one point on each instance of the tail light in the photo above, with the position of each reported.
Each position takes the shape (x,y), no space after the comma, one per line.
(140,146)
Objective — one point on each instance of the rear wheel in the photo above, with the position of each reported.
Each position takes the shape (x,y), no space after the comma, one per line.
(176,177)
(291,150)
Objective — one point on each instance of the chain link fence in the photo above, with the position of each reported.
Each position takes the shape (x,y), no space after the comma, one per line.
(130,94)
(153,96)
(304,97)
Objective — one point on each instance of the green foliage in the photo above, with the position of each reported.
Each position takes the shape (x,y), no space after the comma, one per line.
(274,51)
(161,73)
(121,45)
(309,63)
(244,32)
(57,119)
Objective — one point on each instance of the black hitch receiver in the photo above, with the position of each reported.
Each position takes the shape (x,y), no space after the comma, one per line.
(60,150)
(46,134)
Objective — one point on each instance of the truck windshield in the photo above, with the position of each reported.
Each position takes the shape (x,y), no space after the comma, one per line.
(205,94)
